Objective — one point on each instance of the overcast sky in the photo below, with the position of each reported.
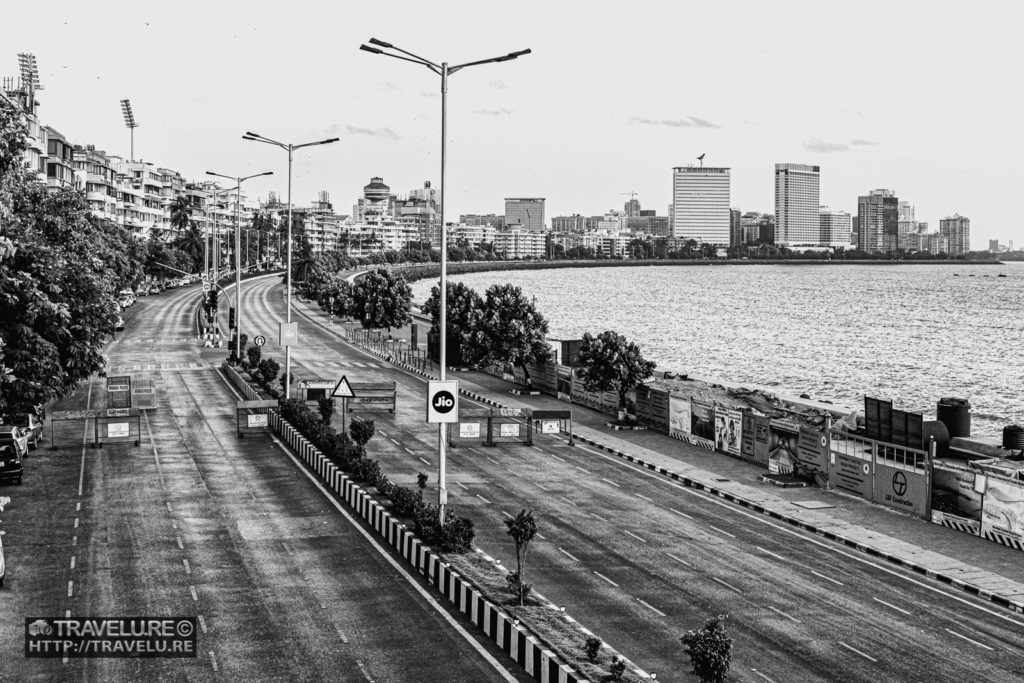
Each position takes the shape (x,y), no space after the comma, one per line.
(919,97)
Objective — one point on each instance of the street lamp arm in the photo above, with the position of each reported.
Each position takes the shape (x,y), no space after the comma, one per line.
(503,58)
(430,65)
(260,138)
(254,175)
(389,46)
(319,142)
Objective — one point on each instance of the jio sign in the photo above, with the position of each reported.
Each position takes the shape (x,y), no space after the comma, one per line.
(442,401)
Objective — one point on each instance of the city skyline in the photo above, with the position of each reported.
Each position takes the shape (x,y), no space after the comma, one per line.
(508,134)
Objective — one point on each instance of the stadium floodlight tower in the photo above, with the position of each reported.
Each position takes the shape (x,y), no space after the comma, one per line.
(129,121)
(443,70)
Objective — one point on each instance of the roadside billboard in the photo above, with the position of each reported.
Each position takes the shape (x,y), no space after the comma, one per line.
(953,491)
(728,430)
(811,454)
(702,423)
(783,438)
(679,417)
(1003,510)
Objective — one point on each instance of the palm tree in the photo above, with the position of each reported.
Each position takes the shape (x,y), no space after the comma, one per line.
(181,213)
(192,242)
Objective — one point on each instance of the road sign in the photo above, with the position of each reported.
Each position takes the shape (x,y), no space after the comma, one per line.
(289,334)
(442,401)
(206,285)
(259,340)
(343,389)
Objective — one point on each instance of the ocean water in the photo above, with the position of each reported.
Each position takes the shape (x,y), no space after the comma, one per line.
(909,333)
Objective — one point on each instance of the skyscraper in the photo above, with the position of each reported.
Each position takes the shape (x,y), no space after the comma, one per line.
(796,205)
(878,221)
(700,204)
(957,229)
(525,212)
(836,228)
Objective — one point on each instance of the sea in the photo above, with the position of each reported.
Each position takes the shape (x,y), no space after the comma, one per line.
(909,333)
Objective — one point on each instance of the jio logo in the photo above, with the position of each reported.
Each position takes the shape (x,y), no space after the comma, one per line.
(443,402)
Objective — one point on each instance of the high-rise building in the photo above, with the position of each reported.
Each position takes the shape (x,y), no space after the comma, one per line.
(836,227)
(878,222)
(735,228)
(796,205)
(525,212)
(632,208)
(573,223)
(700,204)
(993,246)
(957,229)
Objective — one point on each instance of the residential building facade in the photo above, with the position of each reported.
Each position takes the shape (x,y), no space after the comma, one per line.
(797,190)
(957,229)
(700,204)
(878,222)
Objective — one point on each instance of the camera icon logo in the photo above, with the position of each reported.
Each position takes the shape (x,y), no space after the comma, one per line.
(40,627)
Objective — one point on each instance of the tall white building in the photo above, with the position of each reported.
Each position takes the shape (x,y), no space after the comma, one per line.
(525,212)
(836,228)
(700,204)
(796,205)
(957,229)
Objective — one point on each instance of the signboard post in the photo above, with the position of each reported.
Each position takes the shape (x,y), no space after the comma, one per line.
(442,401)
(343,390)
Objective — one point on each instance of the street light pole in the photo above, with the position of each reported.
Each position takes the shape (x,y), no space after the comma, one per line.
(256,137)
(238,256)
(444,71)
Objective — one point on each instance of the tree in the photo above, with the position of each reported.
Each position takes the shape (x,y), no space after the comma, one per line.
(710,650)
(192,242)
(522,528)
(465,339)
(361,432)
(381,299)
(610,363)
(513,330)
(181,213)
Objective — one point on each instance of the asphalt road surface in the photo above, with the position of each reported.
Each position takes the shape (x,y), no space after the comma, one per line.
(640,559)
(197,522)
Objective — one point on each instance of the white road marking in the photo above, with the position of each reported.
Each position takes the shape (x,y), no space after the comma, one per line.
(74,541)
(395,442)
(542,487)
(568,555)
(605,578)
(680,513)
(853,649)
(81,470)
(889,604)
(76,522)
(365,673)
(970,640)
(188,569)
(541,536)
(459,483)
(72,561)
(680,561)
(762,676)
(408,450)
(538,449)
(483,499)
(778,611)
(768,552)
(567,501)
(169,506)
(341,634)
(556,457)
(394,563)
(507,515)
(581,469)
(640,495)
(195,596)
(629,533)
(78,507)
(514,472)
(651,607)
(382,432)
(425,462)
(202,623)
(611,482)
(727,585)
(71,588)
(827,578)
(599,517)
(721,531)
(493,460)
(213,660)
(180,544)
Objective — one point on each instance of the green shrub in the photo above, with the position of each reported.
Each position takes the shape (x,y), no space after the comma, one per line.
(269,368)
(617,668)
(519,590)
(365,469)
(592,647)
(254,354)
(421,480)
(405,501)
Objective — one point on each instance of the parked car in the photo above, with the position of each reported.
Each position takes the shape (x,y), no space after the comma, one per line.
(119,324)
(14,436)
(32,425)
(155,289)
(11,466)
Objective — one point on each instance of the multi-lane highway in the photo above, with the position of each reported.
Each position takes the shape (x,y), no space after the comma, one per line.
(640,559)
(196,522)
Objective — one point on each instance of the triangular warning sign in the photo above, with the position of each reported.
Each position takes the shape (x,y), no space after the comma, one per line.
(343,389)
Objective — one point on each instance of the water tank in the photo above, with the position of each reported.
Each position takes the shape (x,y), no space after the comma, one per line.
(1013,437)
(955,413)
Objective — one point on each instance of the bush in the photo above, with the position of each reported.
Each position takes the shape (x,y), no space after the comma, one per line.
(254,354)
(519,590)
(710,650)
(617,668)
(592,647)
(361,431)
(257,377)
(421,480)
(365,470)
(405,501)
(326,406)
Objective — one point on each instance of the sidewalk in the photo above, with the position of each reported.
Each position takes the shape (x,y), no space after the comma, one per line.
(971,563)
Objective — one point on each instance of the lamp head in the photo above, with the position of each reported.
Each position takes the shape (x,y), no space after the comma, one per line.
(381,43)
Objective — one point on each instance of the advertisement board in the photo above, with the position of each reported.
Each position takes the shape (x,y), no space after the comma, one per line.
(678,416)
(783,442)
(762,434)
(117,429)
(953,492)
(728,430)
(1003,509)
(702,422)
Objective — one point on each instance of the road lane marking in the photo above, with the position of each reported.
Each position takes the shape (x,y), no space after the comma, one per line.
(341,634)
(195,596)
(76,522)
(778,611)
(395,442)
(394,563)
(556,457)
(727,585)
(971,640)
(680,513)
(537,449)
(188,569)
(853,649)
(629,533)
(169,506)
(722,531)
(202,623)
(85,434)
(514,472)
(408,450)
(425,462)
(507,515)
(213,660)
(827,578)
(365,673)
(769,552)
(180,544)
(606,579)
(483,499)
(651,607)
(72,561)
(541,536)
(640,495)
(542,487)
(382,432)
(568,555)
(459,483)
(763,676)
(599,517)
(493,460)
(889,604)
(567,501)
(74,541)
(680,561)
(611,482)
(71,588)
(78,507)
(581,469)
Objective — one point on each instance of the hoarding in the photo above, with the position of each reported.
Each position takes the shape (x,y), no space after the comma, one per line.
(953,492)
(678,416)
(1003,509)
(728,430)
(702,422)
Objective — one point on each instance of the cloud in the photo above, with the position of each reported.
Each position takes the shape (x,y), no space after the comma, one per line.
(429,93)
(388,85)
(501,111)
(859,142)
(372,132)
(685,122)
(817,145)
(497,85)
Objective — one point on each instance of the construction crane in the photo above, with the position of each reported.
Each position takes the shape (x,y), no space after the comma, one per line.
(632,194)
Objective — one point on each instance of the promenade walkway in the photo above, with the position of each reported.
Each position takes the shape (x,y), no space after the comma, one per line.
(971,563)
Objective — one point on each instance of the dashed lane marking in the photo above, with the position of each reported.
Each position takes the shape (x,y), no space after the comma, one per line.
(827,578)
(629,533)
(651,607)
(459,483)
(542,487)
(483,499)
(683,514)
(727,585)
(568,555)
(680,561)
(341,634)
(556,457)
(770,680)
(76,522)
(581,469)
(611,482)
(365,673)
(213,660)
(395,442)
(287,548)
(202,623)
(409,450)
(425,462)
(722,532)
(853,649)
(606,579)
(493,460)
(971,640)
(889,604)
(507,515)
(71,588)
(180,544)
(72,561)
(567,501)
(780,612)
(599,517)
(640,495)
(195,596)
(188,570)
(74,541)
(769,552)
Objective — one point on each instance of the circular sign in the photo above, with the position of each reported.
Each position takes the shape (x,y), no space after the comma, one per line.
(259,340)
(443,402)
(206,286)
(867,468)
(899,483)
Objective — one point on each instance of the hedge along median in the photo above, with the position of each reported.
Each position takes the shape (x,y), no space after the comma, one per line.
(528,645)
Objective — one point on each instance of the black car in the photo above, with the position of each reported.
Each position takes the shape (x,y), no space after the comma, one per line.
(10,464)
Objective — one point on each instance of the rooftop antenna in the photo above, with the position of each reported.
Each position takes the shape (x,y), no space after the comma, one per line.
(701,159)
(129,121)
(29,79)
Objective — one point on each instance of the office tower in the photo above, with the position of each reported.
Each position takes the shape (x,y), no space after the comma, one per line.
(735,228)
(796,205)
(878,222)
(525,212)
(836,227)
(700,204)
(957,229)
(632,208)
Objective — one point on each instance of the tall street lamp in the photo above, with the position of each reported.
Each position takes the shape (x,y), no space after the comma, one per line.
(443,70)
(238,255)
(256,137)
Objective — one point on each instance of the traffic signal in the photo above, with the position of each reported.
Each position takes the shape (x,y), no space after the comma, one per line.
(211,298)
(231,318)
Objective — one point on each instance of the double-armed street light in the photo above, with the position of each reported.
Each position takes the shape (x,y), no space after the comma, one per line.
(256,137)
(238,254)
(443,70)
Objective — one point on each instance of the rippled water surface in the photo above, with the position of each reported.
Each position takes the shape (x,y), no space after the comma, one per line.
(912,333)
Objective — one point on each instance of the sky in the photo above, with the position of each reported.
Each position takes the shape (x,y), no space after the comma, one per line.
(921,98)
